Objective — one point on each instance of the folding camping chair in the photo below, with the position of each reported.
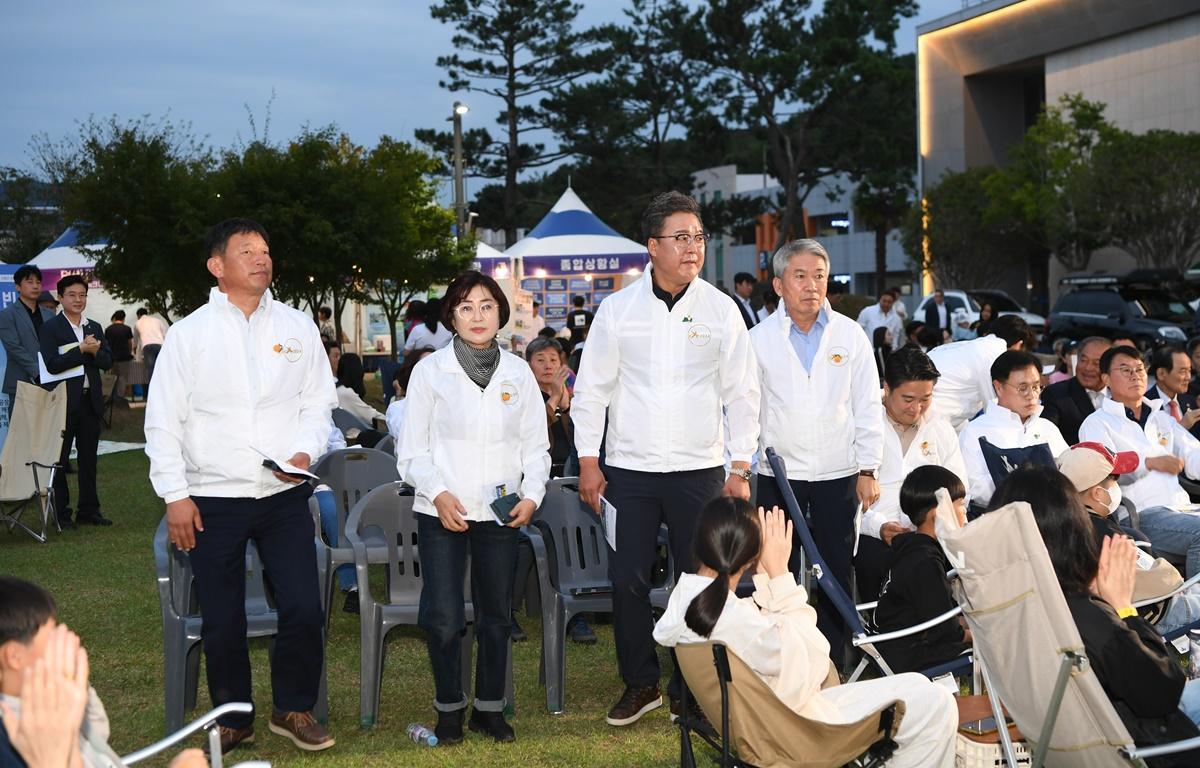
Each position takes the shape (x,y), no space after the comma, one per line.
(763,731)
(29,460)
(859,636)
(1028,647)
(206,723)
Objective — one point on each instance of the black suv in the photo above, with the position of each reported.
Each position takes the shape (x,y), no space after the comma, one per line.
(1141,304)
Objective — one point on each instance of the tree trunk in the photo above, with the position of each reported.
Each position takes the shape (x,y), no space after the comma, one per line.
(512,154)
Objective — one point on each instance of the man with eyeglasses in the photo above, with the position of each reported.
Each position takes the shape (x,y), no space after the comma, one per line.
(1128,421)
(1068,403)
(1010,431)
(664,358)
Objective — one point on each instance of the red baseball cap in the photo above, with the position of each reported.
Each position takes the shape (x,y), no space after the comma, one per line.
(1087,464)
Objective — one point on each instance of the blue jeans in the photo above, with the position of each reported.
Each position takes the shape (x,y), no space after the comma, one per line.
(329,525)
(493,550)
(1190,701)
(1173,533)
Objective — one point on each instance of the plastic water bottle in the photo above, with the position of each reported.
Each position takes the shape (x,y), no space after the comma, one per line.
(421,735)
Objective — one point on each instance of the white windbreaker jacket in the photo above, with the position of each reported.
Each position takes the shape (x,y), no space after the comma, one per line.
(964,387)
(224,386)
(663,377)
(825,424)
(1003,429)
(456,437)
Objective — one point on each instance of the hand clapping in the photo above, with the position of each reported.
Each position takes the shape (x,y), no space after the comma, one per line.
(776,542)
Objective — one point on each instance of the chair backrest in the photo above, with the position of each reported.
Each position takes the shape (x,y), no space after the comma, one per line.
(35,433)
(351,473)
(1020,624)
(763,730)
(575,539)
(387,512)
(346,421)
(825,579)
(387,445)
(177,582)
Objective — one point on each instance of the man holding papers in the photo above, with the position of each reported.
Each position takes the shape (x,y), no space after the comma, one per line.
(242,379)
(73,350)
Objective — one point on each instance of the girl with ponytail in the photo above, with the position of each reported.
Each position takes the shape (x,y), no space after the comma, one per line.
(775,632)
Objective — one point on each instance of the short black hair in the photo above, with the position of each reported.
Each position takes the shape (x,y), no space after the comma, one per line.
(1013,328)
(918,492)
(1123,350)
(218,234)
(24,272)
(118,315)
(462,285)
(577,301)
(24,608)
(404,373)
(1164,357)
(1014,360)
(142,312)
(907,364)
(69,280)
(743,277)
(330,345)
(912,326)
(547,333)
(325,312)
(662,207)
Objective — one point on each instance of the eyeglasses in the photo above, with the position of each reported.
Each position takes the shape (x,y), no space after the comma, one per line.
(1130,372)
(467,311)
(683,239)
(1025,390)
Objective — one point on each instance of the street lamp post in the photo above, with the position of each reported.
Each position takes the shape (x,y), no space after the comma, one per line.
(460,201)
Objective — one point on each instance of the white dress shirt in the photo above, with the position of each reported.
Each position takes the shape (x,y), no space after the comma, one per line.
(394,416)
(148,330)
(873,317)
(825,423)
(935,443)
(750,311)
(1162,436)
(965,384)
(457,437)
(422,337)
(662,377)
(224,386)
(1003,429)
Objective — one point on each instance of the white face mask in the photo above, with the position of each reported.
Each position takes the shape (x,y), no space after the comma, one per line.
(1114,498)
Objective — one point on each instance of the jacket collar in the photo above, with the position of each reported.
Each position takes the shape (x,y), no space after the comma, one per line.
(1108,405)
(998,413)
(689,295)
(784,321)
(219,298)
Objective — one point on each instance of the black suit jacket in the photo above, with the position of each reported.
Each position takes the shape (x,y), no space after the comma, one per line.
(57,332)
(1186,400)
(933,318)
(1067,404)
(748,319)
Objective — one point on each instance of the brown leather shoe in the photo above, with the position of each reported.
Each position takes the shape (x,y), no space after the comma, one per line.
(303,729)
(231,737)
(635,702)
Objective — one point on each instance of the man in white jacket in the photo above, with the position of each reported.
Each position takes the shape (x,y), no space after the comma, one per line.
(965,385)
(1012,423)
(820,412)
(663,357)
(912,437)
(243,376)
(883,314)
(1128,421)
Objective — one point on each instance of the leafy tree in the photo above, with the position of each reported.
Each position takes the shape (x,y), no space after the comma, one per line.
(783,69)
(517,51)
(145,187)
(1152,195)
(28,221)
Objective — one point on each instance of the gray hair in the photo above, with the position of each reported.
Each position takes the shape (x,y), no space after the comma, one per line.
(779,261)
(541,344)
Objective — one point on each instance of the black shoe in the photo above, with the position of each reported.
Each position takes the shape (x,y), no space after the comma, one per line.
(696,719)
(493,724)
(449,727)
(515,631)
(579,631)
(96,519)
(351,604)
(65,523)
(636,701)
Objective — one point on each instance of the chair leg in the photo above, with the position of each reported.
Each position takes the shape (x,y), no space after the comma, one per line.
(192,681)
(510,695)
(174,682)
(321,708)
(370,673)
(554,640)
(466,651)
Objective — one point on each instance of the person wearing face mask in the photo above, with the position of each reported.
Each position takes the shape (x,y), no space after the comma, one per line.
(1093,470)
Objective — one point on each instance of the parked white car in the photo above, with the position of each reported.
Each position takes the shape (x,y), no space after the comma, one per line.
(1001,302)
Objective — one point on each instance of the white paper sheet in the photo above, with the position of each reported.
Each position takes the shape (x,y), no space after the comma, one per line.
(286,468)
(45,377)
(608,514)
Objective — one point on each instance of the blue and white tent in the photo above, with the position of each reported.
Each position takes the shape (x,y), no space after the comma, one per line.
(490,261)
(570,240)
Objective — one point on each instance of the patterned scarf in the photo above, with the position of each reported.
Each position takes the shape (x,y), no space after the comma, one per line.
(478,364)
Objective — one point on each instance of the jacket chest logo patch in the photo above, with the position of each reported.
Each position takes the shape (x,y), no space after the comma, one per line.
(699,334)
(290,349)
(509,393)
(839,355)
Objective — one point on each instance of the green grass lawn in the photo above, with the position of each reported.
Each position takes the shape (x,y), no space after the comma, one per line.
(103,580)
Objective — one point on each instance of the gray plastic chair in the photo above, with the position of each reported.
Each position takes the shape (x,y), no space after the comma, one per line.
(182,626)
(351,473)
(346,421)
(387,445)
(385,515)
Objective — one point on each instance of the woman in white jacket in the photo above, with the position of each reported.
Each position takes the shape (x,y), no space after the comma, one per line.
(475,447)
(775,632)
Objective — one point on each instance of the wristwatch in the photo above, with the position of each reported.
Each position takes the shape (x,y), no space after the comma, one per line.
(866,473)
(743,473)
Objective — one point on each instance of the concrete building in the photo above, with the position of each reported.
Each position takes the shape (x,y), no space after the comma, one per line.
(829,216)
(985,72)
